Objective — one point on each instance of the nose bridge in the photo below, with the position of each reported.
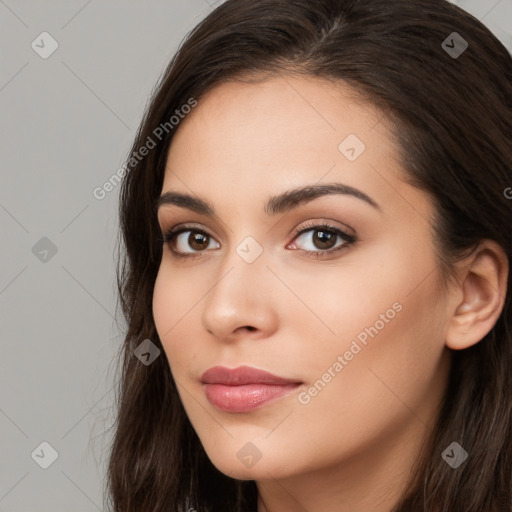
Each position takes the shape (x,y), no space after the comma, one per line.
(243,266)
(240,295)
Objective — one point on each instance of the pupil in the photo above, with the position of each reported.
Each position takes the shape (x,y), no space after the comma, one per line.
(198,241)
(324,239)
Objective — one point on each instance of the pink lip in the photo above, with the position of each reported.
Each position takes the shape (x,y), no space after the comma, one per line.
(244,388)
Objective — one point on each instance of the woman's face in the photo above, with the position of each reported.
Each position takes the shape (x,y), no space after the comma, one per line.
(354,327)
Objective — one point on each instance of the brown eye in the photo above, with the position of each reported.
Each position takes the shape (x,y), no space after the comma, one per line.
(324,239)
(188,242)
(198,241)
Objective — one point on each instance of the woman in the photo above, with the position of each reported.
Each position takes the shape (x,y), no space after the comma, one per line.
(316,282)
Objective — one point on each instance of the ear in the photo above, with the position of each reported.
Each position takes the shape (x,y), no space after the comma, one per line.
(480,295)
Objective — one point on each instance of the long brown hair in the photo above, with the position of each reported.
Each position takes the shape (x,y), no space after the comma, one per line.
(452,120)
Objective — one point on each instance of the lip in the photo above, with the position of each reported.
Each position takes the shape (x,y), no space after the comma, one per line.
(244,389)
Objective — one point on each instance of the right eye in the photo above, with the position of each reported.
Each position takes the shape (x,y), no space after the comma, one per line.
(185,242)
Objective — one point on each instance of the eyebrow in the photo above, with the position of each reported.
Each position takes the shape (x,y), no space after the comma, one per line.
(275,205)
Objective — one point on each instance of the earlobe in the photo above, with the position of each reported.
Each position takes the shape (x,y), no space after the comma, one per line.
(483,283)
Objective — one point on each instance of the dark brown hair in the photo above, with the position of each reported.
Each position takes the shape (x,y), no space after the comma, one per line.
(452,121)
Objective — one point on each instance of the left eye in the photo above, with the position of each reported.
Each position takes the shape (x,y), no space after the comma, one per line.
(319,239)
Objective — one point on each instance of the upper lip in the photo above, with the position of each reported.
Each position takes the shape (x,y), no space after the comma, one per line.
(243,375)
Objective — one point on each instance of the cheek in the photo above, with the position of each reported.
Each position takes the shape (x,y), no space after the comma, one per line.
(395,379)
(174,299)
(385,321)
(364,291)
(164,303)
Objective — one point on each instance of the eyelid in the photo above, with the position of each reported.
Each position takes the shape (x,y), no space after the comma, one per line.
(319,222)
(172,233)
(324,222)
(180,228)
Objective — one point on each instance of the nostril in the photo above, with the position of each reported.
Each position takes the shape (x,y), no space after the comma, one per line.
(250,328)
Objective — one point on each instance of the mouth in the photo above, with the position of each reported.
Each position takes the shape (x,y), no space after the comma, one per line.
(244,389)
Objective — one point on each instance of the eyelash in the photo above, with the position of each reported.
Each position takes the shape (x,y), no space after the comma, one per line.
(170,235)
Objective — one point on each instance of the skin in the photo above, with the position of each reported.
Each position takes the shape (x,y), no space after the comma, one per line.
(353,446)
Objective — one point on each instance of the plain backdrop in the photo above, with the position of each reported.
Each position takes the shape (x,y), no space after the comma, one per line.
(68,117)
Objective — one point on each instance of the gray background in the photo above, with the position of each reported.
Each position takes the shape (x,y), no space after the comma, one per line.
(67,122)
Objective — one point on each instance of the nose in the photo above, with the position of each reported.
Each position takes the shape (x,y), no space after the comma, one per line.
(241,303)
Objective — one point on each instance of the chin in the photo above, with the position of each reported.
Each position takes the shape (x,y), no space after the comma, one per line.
(237,464)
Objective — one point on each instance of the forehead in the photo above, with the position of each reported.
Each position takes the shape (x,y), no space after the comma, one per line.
(245,142)
(284,123)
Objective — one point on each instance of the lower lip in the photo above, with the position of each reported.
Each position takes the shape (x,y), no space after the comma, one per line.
(246,397)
